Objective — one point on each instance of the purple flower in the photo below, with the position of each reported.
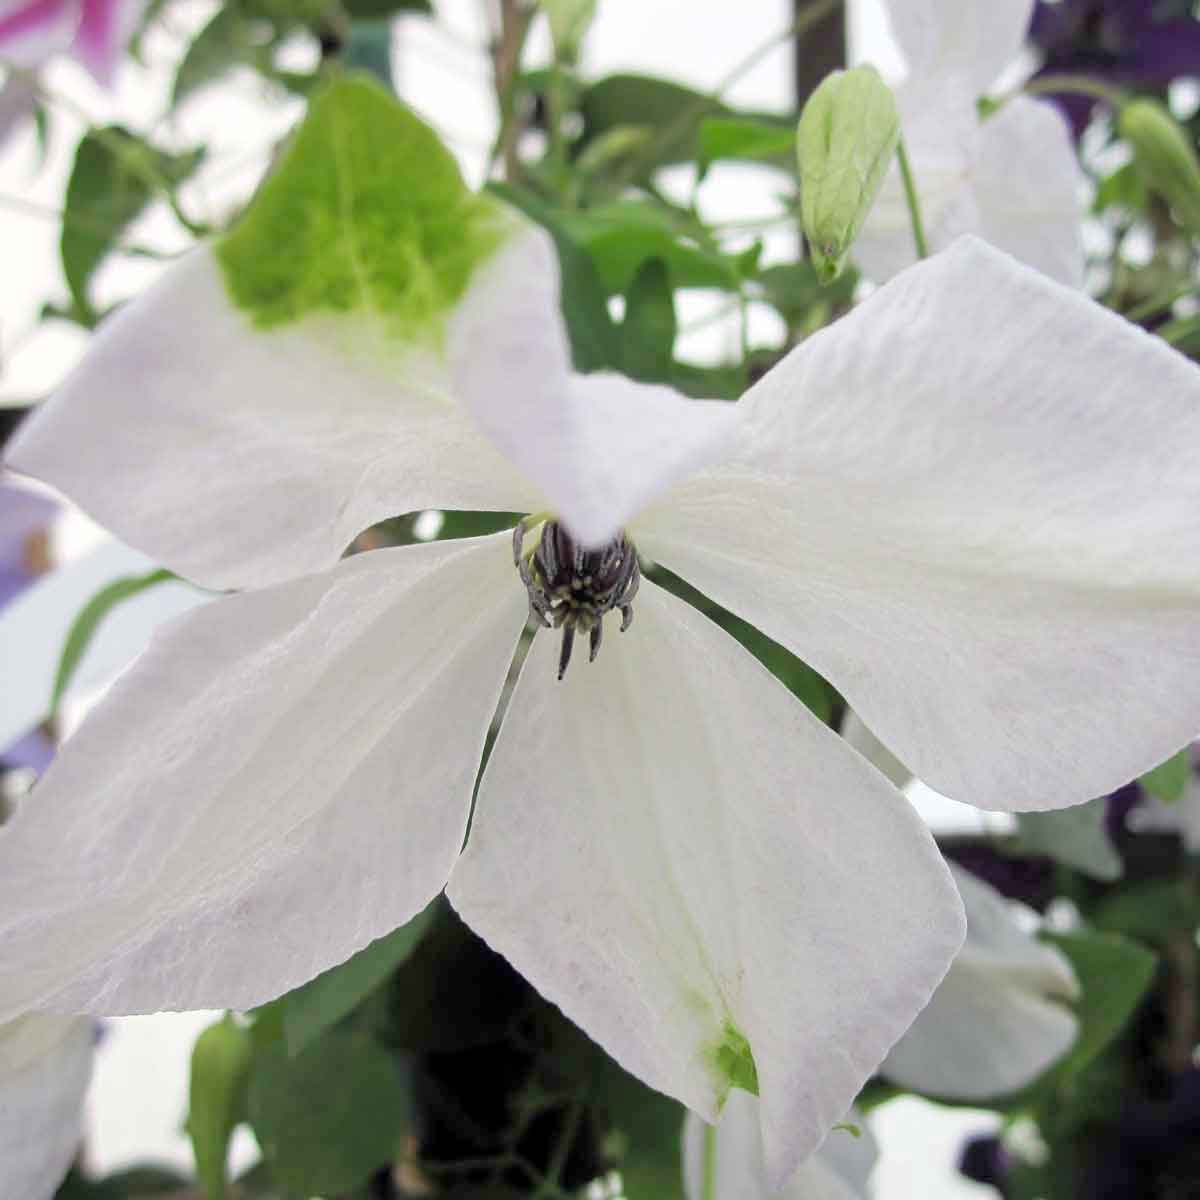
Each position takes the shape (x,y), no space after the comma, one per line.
(985,1160)
(1136,43)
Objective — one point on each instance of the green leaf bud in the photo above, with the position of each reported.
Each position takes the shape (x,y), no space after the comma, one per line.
(845,141)
(569,23)
(220,1068)
(1165,157)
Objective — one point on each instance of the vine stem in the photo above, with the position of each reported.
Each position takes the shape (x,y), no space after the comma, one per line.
(709,1191)
(1079,84)
(912,200)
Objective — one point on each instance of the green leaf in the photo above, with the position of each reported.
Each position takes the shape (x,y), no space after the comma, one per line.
(671,111)
(795,290)
(648,331)
(621,237)
(1076,837)
(114,177)
(745,138)
(1113,974)
(1169,779)
(226,41)
(366,211)
(317,1006)
(84,627)
(216,1098)
(595,342)
(1124,188)
(1155,911)
(330,1117)
(645,1138)
(709,383)
(569,21)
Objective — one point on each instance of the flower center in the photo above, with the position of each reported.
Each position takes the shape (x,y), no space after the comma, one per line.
(571,588)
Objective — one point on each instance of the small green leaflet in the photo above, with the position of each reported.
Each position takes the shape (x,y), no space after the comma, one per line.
(84,627)
(317,1006)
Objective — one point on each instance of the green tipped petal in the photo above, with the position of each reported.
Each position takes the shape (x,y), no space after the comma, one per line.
(734,1061)
(367,211)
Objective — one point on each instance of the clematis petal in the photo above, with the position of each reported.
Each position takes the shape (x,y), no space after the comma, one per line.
(240,457)
(282,777)
(272,395)
(839,1170)
(1026,182)
(697,871)
(999,1018)
(45,1065)
(31,31)
(967,40)
(971,504)
(602,446)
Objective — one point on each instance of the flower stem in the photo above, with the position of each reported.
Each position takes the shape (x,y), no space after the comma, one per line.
(710,1163)
(910,198)
(1080,85)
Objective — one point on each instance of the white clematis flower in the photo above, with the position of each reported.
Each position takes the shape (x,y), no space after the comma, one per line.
(665,843)
(1012,177)
(45,1066)
(1000,1016)
(839,1170)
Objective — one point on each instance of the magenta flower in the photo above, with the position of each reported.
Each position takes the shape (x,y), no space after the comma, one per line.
(93,31)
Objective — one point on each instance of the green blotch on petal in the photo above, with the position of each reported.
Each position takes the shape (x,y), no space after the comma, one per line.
(733,1061)
(366,212)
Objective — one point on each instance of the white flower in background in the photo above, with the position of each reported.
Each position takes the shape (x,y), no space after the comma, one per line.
(1011,177)
(45,1066)
(1001,1015)
(945,502)
(839,1170)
